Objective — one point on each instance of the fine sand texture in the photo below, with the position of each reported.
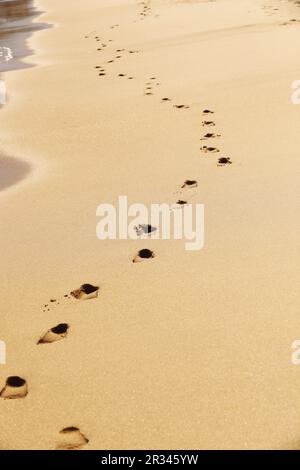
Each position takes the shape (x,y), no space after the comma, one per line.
(184,350)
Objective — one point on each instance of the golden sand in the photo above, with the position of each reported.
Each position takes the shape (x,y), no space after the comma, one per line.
(189,350)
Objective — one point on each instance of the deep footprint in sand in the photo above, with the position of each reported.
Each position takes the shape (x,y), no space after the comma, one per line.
(85,292)
(224,161)
(206,149)
(143,255)
(207,111)
(189,184)
(208,123)
(15,387)
(71,438)
(56,333)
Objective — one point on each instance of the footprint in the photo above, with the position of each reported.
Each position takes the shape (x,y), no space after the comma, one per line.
(166,99)
(224,161)
(189,184)
(206,149)
(210,135)
(143,254)
(180,106)
(71,438)
(144,229)
(122,75)
(102,74)
(208,123)
(207,111)
(178,205)
(289,22)
(85,292)
(55,334)
(15,387)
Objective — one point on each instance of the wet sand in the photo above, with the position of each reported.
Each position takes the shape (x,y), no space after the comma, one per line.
(18,22)
(16,27)
(182,350)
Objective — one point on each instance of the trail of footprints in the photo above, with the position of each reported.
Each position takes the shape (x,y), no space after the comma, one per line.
(210,136)
(103,69)
(145,9)
(16,387)
(270,10)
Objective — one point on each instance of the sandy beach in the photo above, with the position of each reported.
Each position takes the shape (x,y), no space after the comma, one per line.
(190,349)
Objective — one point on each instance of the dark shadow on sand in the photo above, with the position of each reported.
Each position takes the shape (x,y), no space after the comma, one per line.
(12,171)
